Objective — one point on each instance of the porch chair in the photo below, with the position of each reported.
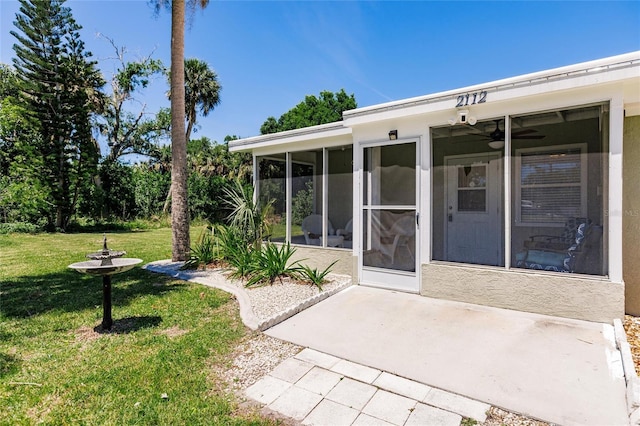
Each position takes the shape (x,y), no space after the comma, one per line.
(575,250)
(312,229)
(402,230)
(347,233)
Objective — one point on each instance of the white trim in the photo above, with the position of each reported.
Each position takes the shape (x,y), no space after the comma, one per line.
(287,196)
(313,133)
(601,71)
(408,281)
(325,197)
(426,201)
(616,129)
(256,173)
(506,191)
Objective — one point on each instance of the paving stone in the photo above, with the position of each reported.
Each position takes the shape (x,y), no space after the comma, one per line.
(402,386)
(458,404)
(356,371)
(390,407)
(317,358)
(352,393)
(295,402)
(291,370)
(331,413)
(267,389)
(426,415)
(319,380)
(366,420)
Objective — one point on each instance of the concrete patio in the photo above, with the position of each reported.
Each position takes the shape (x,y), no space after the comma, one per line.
(554,369)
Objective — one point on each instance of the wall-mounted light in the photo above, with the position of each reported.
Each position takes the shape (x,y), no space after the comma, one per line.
(393,135)
(463,117)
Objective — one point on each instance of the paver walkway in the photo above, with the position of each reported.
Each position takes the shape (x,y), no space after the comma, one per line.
(320,389)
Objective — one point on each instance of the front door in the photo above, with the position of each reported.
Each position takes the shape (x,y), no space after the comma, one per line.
(472,219)
(388,246)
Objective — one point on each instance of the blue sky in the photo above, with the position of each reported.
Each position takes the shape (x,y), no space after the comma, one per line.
(270,54)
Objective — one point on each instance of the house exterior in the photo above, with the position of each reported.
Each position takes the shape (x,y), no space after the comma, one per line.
(522,193)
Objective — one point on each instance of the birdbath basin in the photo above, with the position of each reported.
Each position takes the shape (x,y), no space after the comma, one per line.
(106,263)
(95,267)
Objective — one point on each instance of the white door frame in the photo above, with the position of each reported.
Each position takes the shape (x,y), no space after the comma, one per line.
(381,277)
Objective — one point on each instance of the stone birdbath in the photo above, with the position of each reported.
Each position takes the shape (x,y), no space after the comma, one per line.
(106,263)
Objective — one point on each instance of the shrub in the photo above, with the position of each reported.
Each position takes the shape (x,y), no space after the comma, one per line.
(234,250)
(272,262)
(313,276)
(203,252)
(19,227)
(245,214)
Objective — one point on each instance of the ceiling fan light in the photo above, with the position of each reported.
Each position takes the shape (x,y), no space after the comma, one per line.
(496,144)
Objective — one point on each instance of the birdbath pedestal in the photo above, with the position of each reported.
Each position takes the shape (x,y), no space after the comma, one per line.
(106,263)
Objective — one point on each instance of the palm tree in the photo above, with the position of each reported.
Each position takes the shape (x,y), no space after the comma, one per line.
(180,208)
(202,89)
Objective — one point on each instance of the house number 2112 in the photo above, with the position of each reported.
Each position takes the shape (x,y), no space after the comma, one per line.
(471,99)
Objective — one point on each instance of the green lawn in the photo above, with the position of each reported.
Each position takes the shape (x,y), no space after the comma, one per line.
(168,337)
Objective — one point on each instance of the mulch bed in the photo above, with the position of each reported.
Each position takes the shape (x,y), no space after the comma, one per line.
(632,328)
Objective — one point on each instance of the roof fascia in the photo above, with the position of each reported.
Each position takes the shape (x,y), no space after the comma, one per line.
(616,68)
(316,133)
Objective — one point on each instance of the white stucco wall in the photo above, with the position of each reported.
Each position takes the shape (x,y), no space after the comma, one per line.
(575,297)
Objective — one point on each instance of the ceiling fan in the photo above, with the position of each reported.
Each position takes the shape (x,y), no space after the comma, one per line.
(496,138)
(498,135)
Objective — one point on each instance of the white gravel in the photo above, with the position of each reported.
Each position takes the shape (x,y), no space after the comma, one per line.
(271,300)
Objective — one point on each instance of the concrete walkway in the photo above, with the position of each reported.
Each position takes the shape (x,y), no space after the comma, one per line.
(558,370)
(400,356)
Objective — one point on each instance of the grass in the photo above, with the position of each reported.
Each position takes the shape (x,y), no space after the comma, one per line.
(279,231)
(57,367)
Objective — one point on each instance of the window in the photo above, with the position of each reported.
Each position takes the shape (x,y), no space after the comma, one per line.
(550,184)
(308,198)
(272,190)
(559,199)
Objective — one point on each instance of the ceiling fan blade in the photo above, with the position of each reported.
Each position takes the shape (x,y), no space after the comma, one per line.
(523,132)
(528,137)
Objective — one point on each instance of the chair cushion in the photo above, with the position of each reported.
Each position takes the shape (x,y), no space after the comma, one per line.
(545,259)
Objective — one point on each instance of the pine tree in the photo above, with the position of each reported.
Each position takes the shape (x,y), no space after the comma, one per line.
(59,88)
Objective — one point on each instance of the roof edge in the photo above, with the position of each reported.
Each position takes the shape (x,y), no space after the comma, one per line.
(317,130)
(580,69)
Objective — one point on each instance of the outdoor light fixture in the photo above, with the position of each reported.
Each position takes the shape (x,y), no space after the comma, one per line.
(393,135)
(463,117)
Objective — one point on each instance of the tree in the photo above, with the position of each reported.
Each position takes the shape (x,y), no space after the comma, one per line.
(59,90)
(129,133)
(23,197)
(202,91)
(180,243)
(12,124)
(328,108)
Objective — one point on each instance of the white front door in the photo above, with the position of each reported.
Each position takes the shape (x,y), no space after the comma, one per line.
(389,223)
(473,216)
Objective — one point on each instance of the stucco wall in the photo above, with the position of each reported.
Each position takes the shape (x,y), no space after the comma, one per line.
(317,257)
(631,217)
(548,294)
